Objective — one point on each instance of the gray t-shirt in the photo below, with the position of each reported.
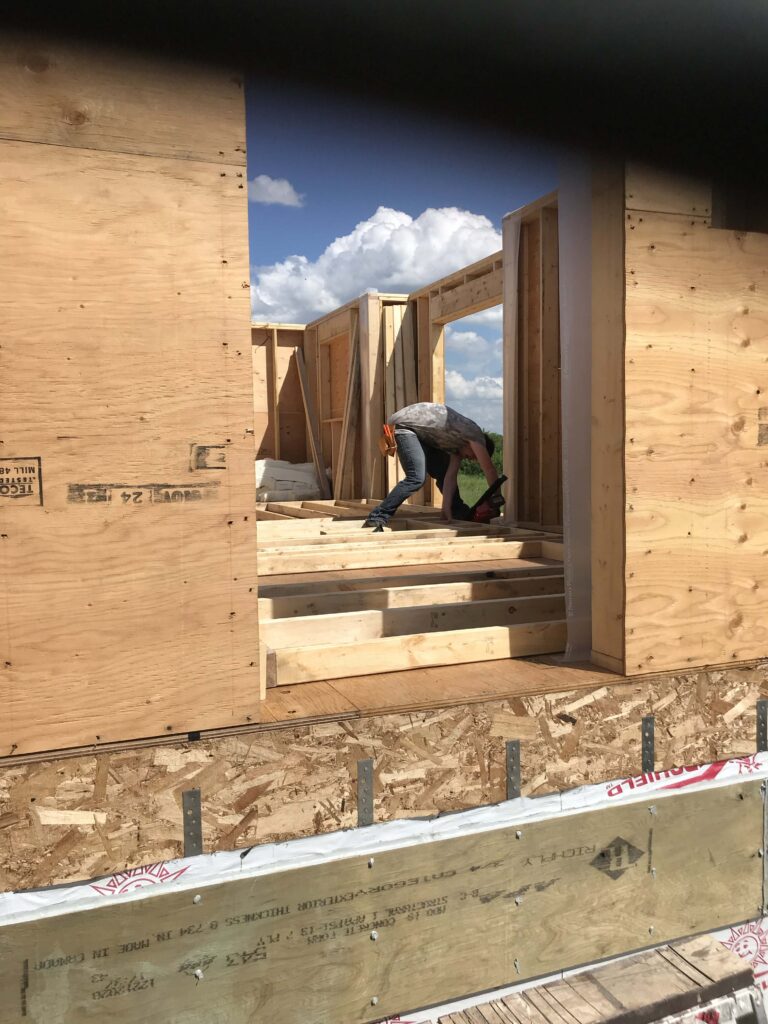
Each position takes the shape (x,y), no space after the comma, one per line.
(438,426)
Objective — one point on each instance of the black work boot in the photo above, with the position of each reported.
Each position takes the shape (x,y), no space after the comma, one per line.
(374,524)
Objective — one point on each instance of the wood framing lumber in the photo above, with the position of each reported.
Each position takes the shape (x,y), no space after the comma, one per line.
(472,296)
(409,356)
(406,596)
(418,650)
(345,474)
(291,511)
(355,533)
(371,624)
(372,395)
(308,559)
(313,427)
(669,871)
(412,575)
(264,515)
(549,419)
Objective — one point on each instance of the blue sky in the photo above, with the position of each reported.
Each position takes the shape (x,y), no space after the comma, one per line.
(345,196)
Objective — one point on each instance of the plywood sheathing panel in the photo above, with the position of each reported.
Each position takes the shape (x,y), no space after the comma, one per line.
(696,426)
(299,779)
(77,96)
(129,586)
(607,437)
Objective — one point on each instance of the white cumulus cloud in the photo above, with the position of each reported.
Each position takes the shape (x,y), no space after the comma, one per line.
(471,352)
(277,191)
(389,252)
(480,398)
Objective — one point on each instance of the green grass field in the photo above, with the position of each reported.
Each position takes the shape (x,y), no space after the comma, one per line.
(471,487)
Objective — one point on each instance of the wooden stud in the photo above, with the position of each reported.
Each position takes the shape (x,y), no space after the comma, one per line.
(550,510)
(344,482)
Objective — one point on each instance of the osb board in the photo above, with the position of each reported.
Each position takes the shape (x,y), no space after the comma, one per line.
(362,936)
(88,97)
(297,780)
(128,578)
(696,425)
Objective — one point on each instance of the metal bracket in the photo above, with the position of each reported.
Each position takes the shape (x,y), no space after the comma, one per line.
(764,794)
(762,725)
(513,769)
(365,792)
(193,822)
(648,745)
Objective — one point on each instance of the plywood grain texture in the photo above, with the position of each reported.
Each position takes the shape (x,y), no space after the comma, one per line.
(296,777)
(78,96)
(607,445)
(353,938)
(697,422)
(129,584)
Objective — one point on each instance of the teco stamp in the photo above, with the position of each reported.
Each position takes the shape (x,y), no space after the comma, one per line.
(21,481)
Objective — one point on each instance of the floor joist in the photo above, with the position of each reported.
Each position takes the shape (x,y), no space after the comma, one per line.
(373,624)
(418,650)
(331,602)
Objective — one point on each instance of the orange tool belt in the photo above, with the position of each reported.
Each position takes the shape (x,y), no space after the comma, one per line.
(387,443)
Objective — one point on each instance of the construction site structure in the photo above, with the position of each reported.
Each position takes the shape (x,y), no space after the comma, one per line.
(173,653)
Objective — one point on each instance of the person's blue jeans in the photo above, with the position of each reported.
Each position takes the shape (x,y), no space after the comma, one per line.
(418,460)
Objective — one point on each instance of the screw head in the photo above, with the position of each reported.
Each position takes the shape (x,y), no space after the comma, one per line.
(199,974)
(759,853)
(651,930)
(197,898)
(374,936)
(518,834)
(518,900)
(374,1000)
(370,862)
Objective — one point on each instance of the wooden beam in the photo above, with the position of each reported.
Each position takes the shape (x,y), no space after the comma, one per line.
(417,575)
(317,539)
(419,650)
(471,296)
(550,509)
(372,395)
(296,511)
(476,269)
(410,366)
(313,430)
(344,482)
(264,515)
(374,623)
(347,556)
(460,593)
(274,403)
(511,237)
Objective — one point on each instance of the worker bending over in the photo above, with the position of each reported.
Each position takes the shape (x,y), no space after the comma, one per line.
(432,440)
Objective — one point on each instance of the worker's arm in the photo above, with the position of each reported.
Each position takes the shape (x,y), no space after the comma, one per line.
(449,486)
(487,466)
